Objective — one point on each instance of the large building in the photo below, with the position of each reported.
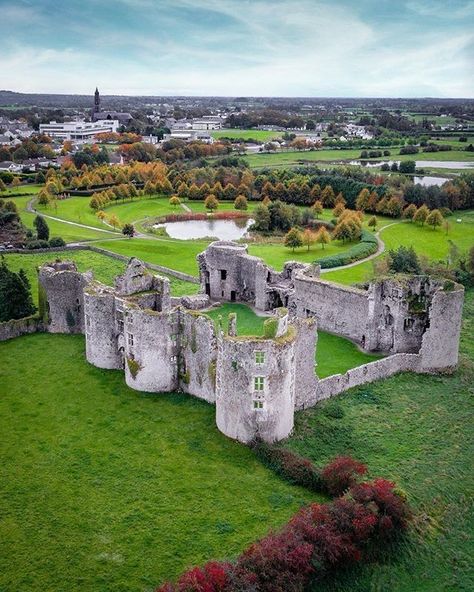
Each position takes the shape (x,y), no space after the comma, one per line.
(78,130)
(98,114)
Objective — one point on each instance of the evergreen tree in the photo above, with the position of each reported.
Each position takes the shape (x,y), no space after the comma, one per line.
(15,294)
(42,228)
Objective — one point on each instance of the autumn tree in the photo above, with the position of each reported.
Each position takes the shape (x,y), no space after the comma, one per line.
(434,219)
(328,197)
(174,201)
(211,203)
(315,192)
(114,221)
(421,215)
(293,239)
(308,238)
(362,201)
(323,237)
(240,202)
(372,223)
(409,212)
(317,208)
(337,211)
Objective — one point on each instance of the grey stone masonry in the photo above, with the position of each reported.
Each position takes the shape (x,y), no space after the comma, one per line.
(166,344)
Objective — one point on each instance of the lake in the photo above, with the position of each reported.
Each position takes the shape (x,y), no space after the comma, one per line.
(439,164)
(220,229)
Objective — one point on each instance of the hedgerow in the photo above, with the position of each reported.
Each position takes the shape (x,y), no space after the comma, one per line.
(367,245)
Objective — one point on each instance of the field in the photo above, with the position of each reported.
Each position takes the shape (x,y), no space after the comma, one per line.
(104,488)
(105,268)
(281,159)
(250,134)
(416,430)
(334,354)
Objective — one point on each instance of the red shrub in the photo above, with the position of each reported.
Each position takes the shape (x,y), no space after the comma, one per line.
(392,510)
(279,562)
(342,473)
(213,577)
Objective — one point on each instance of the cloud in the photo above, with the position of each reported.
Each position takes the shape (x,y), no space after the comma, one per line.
(230,47)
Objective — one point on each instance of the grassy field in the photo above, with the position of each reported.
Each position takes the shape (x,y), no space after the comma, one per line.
(105,268)
(104,488)
(282,159)
(250,134)
(334,354)
(416,430)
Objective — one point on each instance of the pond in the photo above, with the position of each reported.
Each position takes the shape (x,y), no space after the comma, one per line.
(440,164)
(428,181)
(219,229)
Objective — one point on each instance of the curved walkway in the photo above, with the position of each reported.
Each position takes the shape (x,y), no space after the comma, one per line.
(119,235)
(379,251)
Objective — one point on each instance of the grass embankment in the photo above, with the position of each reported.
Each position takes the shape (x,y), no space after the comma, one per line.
(416,430)
(334,354)
(105,268)
(104,488)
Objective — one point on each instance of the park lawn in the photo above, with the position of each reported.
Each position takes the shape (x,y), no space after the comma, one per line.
(417,431)
(249,134)
(334,354)
(12,191)
(175,254)
(433,243)
(105,269)
(76,209)
(276,254)
(105,488)
(351,275)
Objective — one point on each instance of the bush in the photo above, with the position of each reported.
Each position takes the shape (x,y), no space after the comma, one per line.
(37,244)
(292,467)
(270,327)
(366,246)
(341,474)
(57,241)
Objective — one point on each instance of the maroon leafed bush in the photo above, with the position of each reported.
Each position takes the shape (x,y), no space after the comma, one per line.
(342,473)
(318,540)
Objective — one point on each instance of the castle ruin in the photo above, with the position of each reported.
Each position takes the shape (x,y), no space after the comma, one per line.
(166,344)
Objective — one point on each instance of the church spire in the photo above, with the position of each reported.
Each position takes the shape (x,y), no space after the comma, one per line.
(96,101)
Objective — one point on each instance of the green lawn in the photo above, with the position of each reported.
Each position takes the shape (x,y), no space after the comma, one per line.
(103,488)
(250,134)
(416,430)
(176,254)
(105,268)
(334,354)
(12,191)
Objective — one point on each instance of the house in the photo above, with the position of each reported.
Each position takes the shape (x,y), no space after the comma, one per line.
(11,167)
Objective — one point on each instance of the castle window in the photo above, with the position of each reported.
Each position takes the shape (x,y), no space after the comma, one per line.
(130,339)
(258,383)
(174,338)
(258,405)
(173,358)
(130,317)
(120,325)
(408,323)
(88,321)
(223,274)
(259,357)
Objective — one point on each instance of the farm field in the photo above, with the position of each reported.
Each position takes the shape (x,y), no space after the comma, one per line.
(105,488)
(105,268)
(416,430)
(334,354)
(250,134)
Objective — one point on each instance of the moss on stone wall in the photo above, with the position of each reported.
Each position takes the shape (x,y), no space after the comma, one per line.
(270,327)
(134,367)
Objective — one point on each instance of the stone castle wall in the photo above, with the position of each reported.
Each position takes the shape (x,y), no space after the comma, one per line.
(18,327)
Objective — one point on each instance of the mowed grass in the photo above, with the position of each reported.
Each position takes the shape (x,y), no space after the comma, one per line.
(334,354)
(104,488)
(248,134)
(417,431)
(105,268)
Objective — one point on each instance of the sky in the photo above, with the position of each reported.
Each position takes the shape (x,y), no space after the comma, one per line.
(310,48)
